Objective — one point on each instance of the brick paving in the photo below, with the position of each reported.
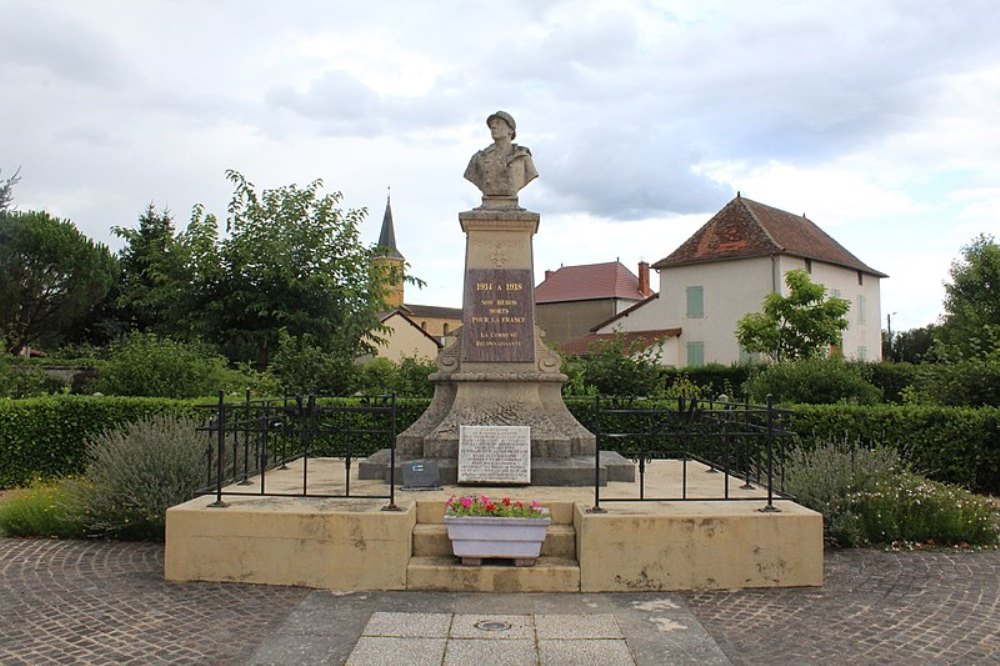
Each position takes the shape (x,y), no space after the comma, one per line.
(928,607)
(101,602)
(94,602)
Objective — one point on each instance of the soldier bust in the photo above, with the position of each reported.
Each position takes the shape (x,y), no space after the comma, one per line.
(502,169)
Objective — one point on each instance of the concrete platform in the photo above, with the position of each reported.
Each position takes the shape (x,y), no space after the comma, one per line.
(352,544)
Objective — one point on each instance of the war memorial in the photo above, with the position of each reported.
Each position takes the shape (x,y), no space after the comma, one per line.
(497,426)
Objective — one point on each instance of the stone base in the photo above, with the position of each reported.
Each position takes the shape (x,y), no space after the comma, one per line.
(575,471)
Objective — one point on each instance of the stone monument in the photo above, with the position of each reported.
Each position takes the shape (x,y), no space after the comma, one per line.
(498,377)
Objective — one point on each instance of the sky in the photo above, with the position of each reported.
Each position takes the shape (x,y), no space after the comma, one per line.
(878,120)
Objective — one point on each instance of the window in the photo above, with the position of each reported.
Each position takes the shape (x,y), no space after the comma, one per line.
(861,277)
(862,353)
(862,309)
(809,265)
(446,329)
(423,326)
(696,354)
(745,356)
(695,302)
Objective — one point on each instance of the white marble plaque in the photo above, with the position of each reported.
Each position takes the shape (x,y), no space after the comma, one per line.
(494,454)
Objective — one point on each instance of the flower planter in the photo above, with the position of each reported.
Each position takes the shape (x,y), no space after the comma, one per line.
(475,538)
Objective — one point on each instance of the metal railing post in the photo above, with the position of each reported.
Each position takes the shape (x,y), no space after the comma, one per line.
(597,457)
(392,457)
(770,508)
(221,424)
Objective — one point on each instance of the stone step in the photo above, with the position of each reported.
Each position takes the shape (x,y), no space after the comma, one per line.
(432,540)
(549,574)
(431,511)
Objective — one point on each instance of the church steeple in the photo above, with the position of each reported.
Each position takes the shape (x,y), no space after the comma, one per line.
(390,258)
(387,237)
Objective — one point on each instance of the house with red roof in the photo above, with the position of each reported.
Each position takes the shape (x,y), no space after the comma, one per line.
(727,267)
(573,299)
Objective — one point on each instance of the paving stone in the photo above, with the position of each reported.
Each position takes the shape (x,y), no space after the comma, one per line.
(391,651)
(514,652)
(408,625)
(601,652)
(577,626)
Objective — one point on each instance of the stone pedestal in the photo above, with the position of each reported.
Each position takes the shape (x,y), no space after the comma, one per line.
(498,371)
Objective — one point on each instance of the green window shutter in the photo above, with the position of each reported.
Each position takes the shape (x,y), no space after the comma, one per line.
(695,302)
(862,353)
(862,309)
(696,354)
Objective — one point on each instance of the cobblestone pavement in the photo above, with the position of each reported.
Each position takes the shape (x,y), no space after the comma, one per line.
(99,602)
(930,607)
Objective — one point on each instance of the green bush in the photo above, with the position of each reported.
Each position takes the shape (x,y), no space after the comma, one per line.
(406,378)
(892,378)
(969,383)
(46,437)
(25,380)
(302,367)
(43,510)
(869,497)
(134,474)
(146,365)
(812,381)
(714,379)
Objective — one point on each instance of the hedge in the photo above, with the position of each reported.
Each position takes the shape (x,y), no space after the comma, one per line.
(958,445)
(47,436)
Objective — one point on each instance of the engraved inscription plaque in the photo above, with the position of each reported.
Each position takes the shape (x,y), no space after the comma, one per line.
(498,323)
(494,454)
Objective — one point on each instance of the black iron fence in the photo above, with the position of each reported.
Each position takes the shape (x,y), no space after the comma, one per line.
(250,440)
(736,441)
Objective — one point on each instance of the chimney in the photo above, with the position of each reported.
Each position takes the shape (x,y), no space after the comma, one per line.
(644,279)
(548,274)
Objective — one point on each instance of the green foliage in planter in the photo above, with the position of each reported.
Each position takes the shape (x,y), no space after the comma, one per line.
(868,496)
(135,473)
(46,437)
(950,444)
(812,381)
(42,510)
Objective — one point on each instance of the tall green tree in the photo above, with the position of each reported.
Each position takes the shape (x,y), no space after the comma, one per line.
(290,259)
(50,276)
(801,325)
(971,324)
(152,294)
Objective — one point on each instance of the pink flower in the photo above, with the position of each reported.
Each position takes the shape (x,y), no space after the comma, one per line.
(466,502)
(535,504)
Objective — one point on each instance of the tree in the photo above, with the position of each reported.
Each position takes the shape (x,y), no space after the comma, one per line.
(152,294)
(50,276)
(971,324)
(290,260)
(801,325)
(7,191)
(911,346)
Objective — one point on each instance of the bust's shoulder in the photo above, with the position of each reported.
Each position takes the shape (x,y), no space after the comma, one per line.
(521,150)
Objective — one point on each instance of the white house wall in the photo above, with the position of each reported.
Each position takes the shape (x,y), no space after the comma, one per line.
(404,339)
(731,289)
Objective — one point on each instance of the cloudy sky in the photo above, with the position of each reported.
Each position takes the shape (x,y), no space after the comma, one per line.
(879,120)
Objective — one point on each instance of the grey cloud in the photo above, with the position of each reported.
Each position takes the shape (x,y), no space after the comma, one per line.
(37,36)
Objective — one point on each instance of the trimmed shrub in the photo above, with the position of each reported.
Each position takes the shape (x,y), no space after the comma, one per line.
(892,378)
(24,380)
(134,474)
(714,379)
(812,381)
(145,365)
(46,437)
(949,444)
(970,383)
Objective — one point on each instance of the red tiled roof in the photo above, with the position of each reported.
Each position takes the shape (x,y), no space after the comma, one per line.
(581,346)
(745,228)
(588,282)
